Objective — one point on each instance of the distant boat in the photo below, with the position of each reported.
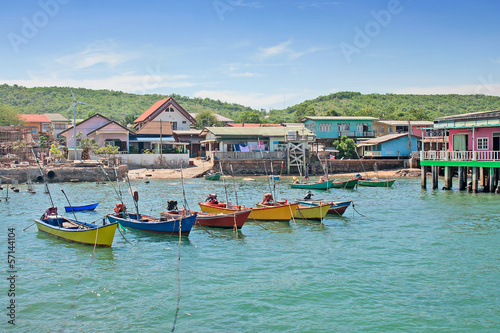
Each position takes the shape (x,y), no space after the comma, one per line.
(212,176)
(275,177)
(351,183)
(76,231)
(376,182)
(80,208)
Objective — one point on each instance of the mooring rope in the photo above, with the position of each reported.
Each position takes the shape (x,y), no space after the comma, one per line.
(178,277)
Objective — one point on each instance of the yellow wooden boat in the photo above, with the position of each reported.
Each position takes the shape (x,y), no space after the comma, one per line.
(282,212)
(77,231)
(312,212)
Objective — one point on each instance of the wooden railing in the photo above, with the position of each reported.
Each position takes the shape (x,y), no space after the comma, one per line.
(434,155)
(252,155)
(373,153)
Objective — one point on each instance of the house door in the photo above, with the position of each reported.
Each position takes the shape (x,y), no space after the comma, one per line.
(496,141)
(460,142)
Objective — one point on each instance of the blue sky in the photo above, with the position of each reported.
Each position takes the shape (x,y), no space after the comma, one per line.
(262,54)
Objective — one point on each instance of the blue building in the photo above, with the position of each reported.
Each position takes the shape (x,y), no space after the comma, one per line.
(329,129)
(389,146)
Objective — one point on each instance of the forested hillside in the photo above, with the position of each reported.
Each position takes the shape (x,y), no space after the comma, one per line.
(113,104)
(388,106)
(119,105)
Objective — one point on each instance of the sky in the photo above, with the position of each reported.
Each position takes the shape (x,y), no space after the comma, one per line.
(265,54)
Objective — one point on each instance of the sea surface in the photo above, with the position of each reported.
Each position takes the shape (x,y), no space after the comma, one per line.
(405,260)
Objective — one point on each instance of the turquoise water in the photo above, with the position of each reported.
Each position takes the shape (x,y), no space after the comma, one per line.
(416,261)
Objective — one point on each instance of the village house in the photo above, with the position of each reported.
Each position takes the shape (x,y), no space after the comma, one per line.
(473,146)
(166,110)
(38,123)
(383,126)
(59,123)
(389,146)
(100,128)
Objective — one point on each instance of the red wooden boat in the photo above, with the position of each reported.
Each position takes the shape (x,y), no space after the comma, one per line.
(216,220)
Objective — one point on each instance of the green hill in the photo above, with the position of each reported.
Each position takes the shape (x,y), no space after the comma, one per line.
(117,105)
(113,104)
(388,106)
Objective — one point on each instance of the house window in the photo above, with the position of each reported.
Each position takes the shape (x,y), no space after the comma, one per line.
(174,125)
(59,126)
(482,143)
(171,109)
(112,142)
(381,129)
(325,127)
(342,127)
(183,121)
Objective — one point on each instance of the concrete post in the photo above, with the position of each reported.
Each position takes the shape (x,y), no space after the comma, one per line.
(423,177)
(462,182)
(492,180)
(435,176)
(482,177)
(448,178)
(475,174)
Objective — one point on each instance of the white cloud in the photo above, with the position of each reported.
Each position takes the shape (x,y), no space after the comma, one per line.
(102,52)
(126,82)
(275,50)
(318,4)
(253,100)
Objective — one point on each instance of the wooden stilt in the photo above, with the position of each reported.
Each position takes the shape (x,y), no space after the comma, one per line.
(475,174)
(423,177)
(492,180)
(462,179)
(448,178)
(435,176)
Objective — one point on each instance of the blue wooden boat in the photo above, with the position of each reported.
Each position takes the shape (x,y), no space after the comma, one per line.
(168,226)
(80,208)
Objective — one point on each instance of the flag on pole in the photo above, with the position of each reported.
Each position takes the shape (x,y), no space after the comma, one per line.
(332,157)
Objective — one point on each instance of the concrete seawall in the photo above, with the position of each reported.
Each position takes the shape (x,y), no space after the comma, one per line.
(60,174)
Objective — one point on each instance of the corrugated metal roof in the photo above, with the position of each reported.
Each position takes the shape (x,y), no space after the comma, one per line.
(257,131)
(405,122)
(34,118)
(338,118)
(384,138)
(56,117)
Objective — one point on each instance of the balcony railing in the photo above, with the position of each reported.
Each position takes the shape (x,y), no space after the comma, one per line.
(357,134)
(252,155)
(373,153)
(433,155)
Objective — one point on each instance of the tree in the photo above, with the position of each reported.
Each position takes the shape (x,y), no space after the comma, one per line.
(303,110)
(9,116)
(249,117)
(332,113)
(346,147)
(206,119)
(128,120)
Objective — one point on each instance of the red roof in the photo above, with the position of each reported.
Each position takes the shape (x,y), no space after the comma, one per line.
(157,106)
(34,118)
(151,110)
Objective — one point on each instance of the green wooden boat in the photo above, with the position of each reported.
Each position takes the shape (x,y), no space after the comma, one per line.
(314,186)
(351,183)
(376,182)
(213,176)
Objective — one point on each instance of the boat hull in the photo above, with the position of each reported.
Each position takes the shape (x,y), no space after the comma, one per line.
(81,208)
(216,220)
(268,213)
(213,176)
(314,186)
(351,183)
(376,183)
(152,225)
(311,212)
(98,235)
(336,208)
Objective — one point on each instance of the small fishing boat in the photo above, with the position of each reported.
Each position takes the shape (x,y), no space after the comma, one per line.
(80,208)
(282,212)
(76,231)
(351,183)
(336,208)
(313,186)
(316,212)
(376,182)
(216,220)
(166,225)
(212,176)
(274,177)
